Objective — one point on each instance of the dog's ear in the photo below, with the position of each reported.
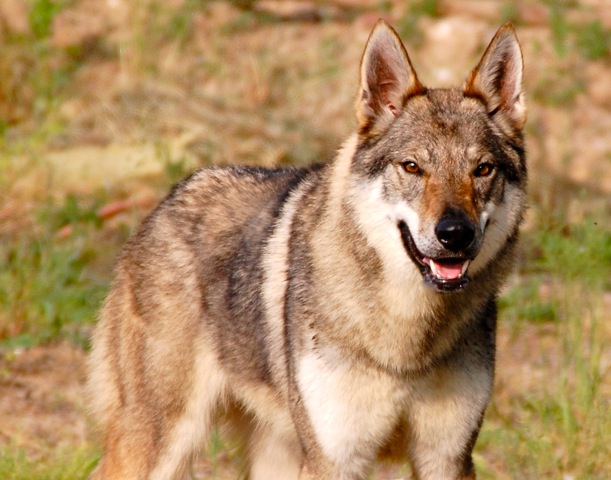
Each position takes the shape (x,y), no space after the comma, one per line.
(497,79)
(387,79)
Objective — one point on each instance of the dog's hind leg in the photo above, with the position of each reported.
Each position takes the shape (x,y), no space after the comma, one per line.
(275,453)
(137,447)
(191,429)
(149,436)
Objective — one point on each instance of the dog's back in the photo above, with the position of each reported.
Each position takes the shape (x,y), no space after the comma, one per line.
(192,270)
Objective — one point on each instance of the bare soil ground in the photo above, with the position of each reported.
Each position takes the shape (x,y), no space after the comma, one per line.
(41,399)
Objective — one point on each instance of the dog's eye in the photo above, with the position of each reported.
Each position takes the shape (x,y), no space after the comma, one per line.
(411,167)
(484,169)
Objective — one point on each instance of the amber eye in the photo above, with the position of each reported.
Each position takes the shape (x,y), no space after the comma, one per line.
(484,169)
(411,167)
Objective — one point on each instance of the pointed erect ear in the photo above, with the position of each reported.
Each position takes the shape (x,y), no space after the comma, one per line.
(387,79)
(497,79)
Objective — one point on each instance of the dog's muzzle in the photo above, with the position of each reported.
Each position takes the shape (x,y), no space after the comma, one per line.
(445,273)
(455,234)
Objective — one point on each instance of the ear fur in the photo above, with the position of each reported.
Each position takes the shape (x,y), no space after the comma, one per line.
(387,80)
(497,79)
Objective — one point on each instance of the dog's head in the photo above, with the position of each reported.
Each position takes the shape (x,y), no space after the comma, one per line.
(447,165)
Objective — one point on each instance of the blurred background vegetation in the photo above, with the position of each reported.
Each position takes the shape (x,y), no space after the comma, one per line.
(105,103)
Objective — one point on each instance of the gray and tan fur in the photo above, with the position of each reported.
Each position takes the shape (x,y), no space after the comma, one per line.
(337,315)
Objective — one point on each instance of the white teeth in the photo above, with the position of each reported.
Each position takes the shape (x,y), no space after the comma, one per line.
(434,268)
(464,267)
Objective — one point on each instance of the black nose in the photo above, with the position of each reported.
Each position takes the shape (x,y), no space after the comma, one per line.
(455,234)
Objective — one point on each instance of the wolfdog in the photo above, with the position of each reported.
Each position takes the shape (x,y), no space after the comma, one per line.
(337,316)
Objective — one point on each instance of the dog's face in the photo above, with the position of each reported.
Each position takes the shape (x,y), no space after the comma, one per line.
(448,164)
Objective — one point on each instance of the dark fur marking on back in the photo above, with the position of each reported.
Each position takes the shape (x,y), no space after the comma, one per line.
(251,310)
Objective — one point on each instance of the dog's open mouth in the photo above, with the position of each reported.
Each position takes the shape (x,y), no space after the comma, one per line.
(443,274)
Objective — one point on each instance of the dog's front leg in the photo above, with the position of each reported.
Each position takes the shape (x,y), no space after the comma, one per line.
(446,410)
(445,417)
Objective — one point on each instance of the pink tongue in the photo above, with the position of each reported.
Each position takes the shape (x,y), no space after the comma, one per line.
(447,271)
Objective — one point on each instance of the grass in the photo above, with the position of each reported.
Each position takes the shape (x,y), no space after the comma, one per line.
(49,289)
(408,25)
(562,427)
(64,465)
(35,74)
(591,39)
(54,277)
(549,418)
